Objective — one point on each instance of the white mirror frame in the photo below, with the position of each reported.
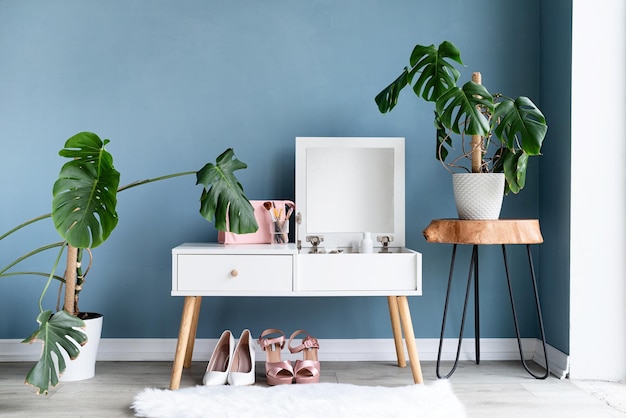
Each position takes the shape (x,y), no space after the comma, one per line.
(349,185)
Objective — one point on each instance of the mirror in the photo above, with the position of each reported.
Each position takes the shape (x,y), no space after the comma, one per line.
(347,186)
(348,189)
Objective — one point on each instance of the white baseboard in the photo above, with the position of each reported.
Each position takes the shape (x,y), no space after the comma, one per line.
(559,361)
(163,349)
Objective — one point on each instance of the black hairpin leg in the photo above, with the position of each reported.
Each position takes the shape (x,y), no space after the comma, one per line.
(473,272)
(543,336)
(476,305)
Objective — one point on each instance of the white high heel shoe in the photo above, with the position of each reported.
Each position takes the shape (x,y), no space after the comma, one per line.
(219,365)
(242,362)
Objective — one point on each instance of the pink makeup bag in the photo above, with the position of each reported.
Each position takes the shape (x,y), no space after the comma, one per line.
(263,219)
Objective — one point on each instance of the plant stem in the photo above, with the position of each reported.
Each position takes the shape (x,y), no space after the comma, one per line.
(32,273)
(20,226)
(30,254)
(140,182)
(50,277)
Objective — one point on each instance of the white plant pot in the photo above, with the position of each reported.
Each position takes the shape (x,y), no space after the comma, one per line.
(478,196)
(84,366)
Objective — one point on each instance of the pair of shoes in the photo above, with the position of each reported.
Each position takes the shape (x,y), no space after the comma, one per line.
(281,372)
(230,364)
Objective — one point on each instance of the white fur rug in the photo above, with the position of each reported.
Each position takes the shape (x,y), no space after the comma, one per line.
(327,400)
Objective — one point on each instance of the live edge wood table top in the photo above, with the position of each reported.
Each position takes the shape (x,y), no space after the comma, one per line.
(501,231)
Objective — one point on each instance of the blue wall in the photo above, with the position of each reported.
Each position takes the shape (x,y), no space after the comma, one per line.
(173,84)
(555,170)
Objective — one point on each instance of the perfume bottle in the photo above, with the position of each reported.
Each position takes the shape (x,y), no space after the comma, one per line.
(367,246)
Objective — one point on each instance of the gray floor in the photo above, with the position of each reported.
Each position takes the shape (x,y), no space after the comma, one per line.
(491,389)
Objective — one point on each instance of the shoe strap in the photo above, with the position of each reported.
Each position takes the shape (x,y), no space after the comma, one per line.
(307,342)
(276,367)
(312,366)
(268,342)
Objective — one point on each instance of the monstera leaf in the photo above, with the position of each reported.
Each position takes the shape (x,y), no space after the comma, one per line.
(222,197)
(520,124)
(387,99)
(459,109)
(513,163)
(437,75)
(53,332)
(443,140)
(85,194)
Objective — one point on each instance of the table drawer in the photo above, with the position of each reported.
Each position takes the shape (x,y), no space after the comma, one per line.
(381,273)
(234,273)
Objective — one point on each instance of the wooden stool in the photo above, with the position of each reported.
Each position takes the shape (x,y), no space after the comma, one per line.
(502,232)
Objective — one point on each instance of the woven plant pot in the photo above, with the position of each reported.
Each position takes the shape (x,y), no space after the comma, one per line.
(478,196)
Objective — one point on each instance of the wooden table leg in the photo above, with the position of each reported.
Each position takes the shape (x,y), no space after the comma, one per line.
(192,333)
(409,336)
(186,324)
(394,314)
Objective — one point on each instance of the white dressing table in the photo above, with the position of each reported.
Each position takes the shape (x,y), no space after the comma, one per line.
(332,174)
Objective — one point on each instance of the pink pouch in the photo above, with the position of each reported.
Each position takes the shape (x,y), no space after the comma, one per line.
(263,219)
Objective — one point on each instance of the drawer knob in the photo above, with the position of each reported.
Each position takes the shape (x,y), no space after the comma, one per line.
(234,273)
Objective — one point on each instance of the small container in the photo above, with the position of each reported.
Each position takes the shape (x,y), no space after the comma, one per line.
(367,245)
(279,231)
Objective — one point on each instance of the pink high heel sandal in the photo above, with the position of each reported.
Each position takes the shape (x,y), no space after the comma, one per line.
(277,371)
(306,370)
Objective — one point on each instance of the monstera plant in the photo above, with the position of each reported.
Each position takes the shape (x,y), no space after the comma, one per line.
(497,133)
(84,214)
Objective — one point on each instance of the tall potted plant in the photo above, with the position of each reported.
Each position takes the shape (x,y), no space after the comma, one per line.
(84,214)
(497,133)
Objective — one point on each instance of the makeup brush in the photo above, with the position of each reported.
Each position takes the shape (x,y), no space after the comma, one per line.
(289,212)
(268,206)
